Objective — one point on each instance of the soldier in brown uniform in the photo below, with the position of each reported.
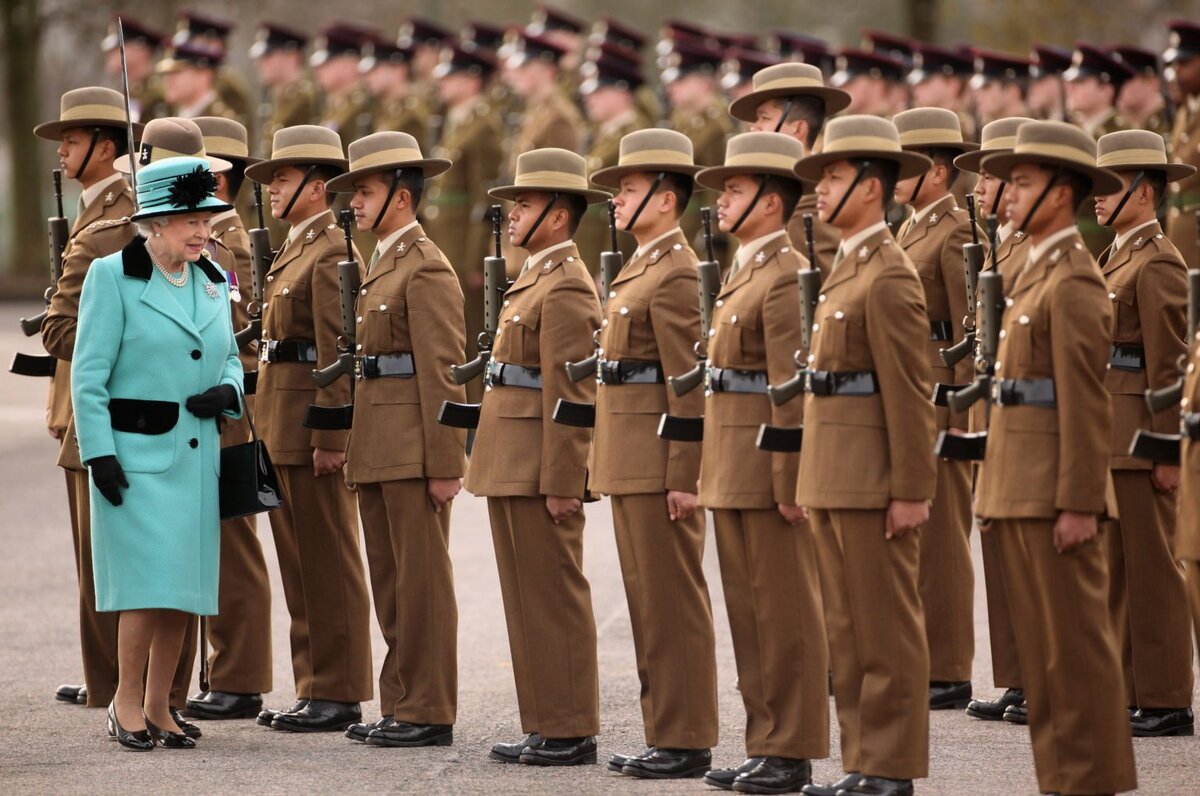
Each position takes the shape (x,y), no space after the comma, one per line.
(533,471)
(652,321)
(939,78)
(792,99)
(1183,60)
(189,82)
(90,133)
(1147,283)
(550,119)
(999,85)
(933,238)
(212,34)
(608,30)
(405,467)
(867,469)
(610,79)
(346,108)
(457,203)
(240,634)
(870,79)
(289,97)
(386,72)
(1046,95)
(566,31)
(1142,100)
(1010,255)
(316,532)
(764,546)
(1043,482)
(425,41)
(142,45)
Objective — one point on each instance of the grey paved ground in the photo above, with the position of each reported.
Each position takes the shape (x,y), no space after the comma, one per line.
(50,747)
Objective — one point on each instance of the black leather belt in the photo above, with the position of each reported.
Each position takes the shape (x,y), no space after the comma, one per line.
(942,331)
(849,382)
(506,374)
(398,366)
(730,380)
(1025,392)
(287,351)
(629,371)
(1127,357)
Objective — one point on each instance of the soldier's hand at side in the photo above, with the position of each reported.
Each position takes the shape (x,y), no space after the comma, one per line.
(904,516)
(54,433)
(1072,529)
(680,505)
(353,487)
(442,491)
(793,514)
(326,462)
(1165,477)
(562,507)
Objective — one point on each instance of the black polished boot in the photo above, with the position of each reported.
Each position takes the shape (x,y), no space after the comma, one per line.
(404,734)
(949,696)
(217,705)
(1017,714)
(319,715)
(617,762)
(775,775)
(267,715)
(849,781)
(579,751)
(879,786)
(1161,722)
(723,777)
(994,710)
(511,752)
(669,764)
(360,731)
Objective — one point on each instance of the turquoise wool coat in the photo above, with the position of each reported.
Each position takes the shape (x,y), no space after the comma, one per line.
(137,359)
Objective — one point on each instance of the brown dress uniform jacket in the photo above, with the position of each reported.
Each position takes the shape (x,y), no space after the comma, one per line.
(862,452)
(1043,461)
(756,328)
(547,319)
(230,233)
(934,245)
(301,302)
(348,115)
(1147,283)
(410,302)
(652,316)
(287,106)
(553,122)
(1185,194)
(1187,534)
(409,114)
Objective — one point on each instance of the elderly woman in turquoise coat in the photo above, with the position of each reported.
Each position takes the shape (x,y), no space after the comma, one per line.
(155,366)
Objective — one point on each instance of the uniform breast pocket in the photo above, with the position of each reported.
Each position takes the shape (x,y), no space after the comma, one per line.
(628,328)
(1025,350)
(519,335)
(838,333)
(743,339)
(387,324)
(290,306)
(1127,326)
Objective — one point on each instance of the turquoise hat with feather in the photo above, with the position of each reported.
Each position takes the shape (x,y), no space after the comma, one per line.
(173,186)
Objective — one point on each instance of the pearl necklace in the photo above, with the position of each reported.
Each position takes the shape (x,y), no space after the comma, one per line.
(176,280)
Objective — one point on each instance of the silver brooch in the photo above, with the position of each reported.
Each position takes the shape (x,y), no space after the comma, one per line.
(210,289)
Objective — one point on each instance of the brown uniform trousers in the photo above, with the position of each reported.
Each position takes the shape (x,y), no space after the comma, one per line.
(1187,535)
(1147,283)
(520,457)
(1011,254)
(860,453)
(768,567)
(947,577)
(240,633)
(1040,462)
(652,316)
(316,533)
(410,302)
(1185,194)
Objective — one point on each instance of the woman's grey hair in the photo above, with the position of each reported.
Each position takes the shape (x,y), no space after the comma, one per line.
(149,226)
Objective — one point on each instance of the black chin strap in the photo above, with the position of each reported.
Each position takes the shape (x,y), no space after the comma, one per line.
(762,186)
(995,211)
(390,195)
(538,222)
(292,202)
(658,181)
(862,171)
(87,158)
(1133,186)
(1037,204)
(787,108)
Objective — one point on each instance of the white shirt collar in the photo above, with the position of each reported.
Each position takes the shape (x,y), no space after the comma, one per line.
(295,231)
(195,109)
(1035,252)
(747,250)
(1003,232)
(1125,237)
(857,239)
(219,217)
(92,194)
(538,256)
(651,244)
(386,243)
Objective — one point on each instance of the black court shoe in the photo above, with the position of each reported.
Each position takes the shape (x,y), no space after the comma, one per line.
(169,739)
(139,741)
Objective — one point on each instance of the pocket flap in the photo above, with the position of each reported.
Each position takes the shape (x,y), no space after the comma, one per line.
(135,416)
(525,316)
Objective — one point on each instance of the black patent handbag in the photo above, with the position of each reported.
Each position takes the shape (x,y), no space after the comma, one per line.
(247,483)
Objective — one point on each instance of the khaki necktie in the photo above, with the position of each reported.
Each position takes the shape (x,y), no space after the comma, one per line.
(838,257)
(374,259)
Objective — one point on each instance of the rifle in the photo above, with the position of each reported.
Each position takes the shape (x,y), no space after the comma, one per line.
(691,429)
(59,232)
(495,284)
(973,254)
(260,262)
(349,280)
(989,313)
(1165,448)
(570,413)
(788,440)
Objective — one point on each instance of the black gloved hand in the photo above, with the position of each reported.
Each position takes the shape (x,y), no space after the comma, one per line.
(109,478)
(212,401)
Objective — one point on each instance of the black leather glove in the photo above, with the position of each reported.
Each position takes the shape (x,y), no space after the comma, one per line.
(212,401)
(109,478)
